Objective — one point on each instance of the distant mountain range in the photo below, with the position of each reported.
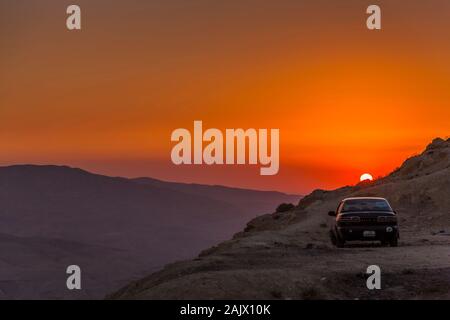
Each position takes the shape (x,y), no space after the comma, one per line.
(114,228)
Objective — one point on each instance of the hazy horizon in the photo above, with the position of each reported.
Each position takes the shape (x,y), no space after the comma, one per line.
(112,175)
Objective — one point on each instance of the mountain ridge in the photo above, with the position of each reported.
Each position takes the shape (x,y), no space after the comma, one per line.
(114,222)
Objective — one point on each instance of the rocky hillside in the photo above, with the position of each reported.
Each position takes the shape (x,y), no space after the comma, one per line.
(287,255)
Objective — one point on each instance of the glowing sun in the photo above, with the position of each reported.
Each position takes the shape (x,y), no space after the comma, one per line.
(366,176)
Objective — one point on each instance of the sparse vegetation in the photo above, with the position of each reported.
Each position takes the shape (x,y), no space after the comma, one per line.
(285,207)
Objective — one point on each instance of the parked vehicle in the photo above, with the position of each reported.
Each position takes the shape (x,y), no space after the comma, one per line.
(364,219)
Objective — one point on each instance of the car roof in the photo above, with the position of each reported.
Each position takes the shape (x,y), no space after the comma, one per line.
(364,198)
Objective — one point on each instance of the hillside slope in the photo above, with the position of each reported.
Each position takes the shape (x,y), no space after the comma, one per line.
(289,256)
(115,229)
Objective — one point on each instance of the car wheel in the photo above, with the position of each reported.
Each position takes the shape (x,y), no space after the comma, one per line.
(394,242)
(332,238)
(384,243)
(340,242)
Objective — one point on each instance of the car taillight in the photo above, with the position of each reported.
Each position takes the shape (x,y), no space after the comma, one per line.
(387,219)
(349,219)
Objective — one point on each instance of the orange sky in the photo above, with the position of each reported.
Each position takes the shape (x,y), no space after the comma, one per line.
(346,100)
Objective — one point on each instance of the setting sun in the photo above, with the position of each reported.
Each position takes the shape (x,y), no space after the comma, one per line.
(366,176)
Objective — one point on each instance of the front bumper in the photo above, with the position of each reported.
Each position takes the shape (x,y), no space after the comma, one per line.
(369,233)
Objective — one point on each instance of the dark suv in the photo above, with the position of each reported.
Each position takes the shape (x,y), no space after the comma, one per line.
(367,219)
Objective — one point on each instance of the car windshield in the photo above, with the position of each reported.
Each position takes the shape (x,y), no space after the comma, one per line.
(357,205)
